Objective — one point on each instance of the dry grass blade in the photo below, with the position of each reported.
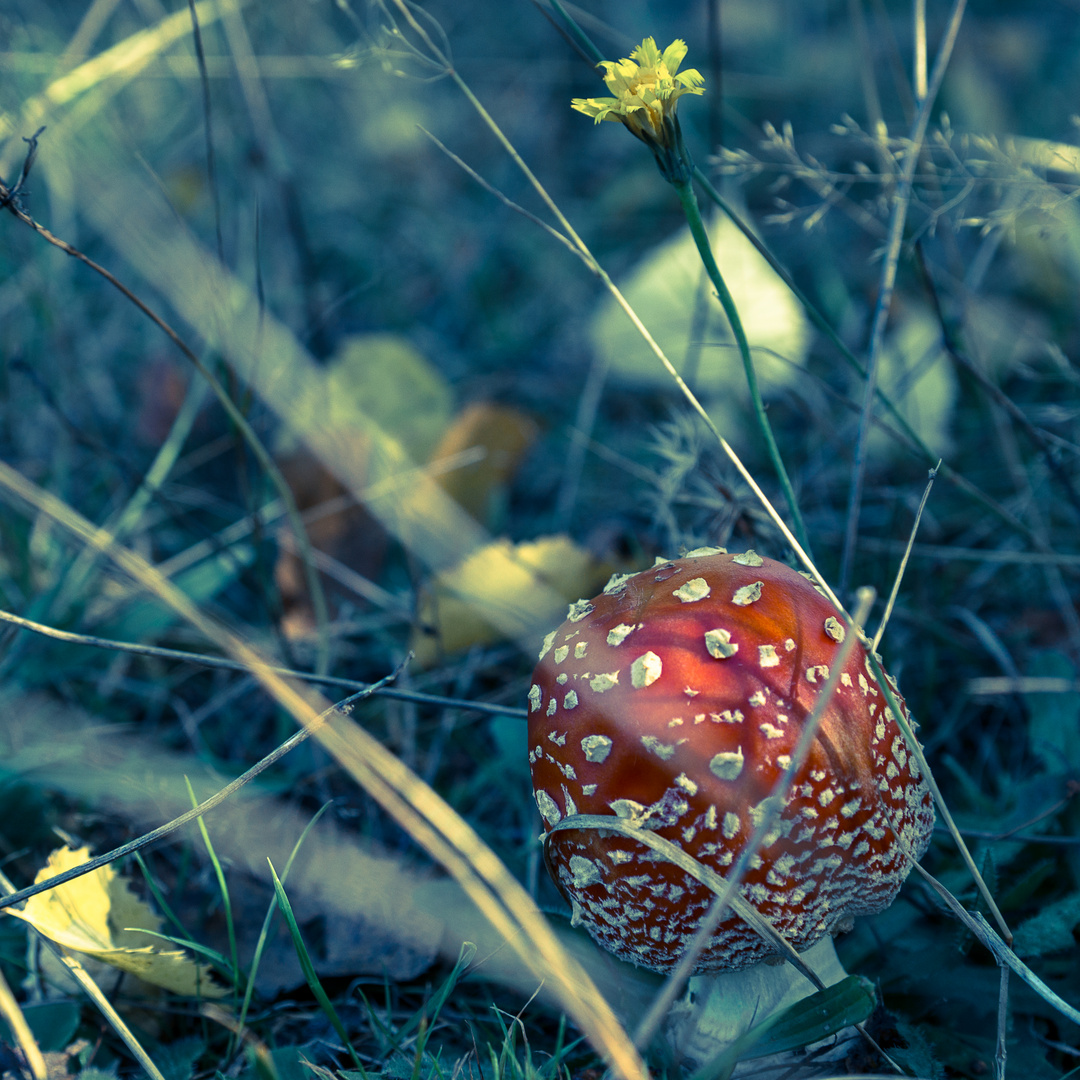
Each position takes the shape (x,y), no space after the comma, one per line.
(105,1007)
(888,281)
(708,877)
(1007,684)
(432,823)
(904,561)
(244,1033)
(20,1029)
(919,18)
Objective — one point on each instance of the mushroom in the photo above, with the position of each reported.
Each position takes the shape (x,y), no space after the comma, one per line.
(674,701)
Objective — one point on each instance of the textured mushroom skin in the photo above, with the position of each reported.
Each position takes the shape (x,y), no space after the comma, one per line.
(641,707)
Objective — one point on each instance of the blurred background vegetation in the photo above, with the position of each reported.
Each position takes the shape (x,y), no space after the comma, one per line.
(370,308)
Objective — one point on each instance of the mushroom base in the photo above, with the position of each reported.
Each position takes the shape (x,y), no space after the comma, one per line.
(717,1009)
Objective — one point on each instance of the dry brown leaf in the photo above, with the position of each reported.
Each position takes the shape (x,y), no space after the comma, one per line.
(504,435)
(346,532)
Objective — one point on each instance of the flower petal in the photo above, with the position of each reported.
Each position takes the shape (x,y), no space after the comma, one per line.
(674,55)
(647,54)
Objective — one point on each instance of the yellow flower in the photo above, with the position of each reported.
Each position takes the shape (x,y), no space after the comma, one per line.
(646,89)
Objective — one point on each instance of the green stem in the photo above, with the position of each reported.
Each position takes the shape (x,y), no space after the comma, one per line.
(583,40)
(815,316)
(701,238)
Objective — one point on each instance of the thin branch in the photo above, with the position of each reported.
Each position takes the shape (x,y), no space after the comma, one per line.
(204,807)
(378,689)
(11,197)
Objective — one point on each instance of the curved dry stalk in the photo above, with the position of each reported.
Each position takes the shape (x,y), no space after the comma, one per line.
(919,62)
(428,818)
(676,980)
(939,800)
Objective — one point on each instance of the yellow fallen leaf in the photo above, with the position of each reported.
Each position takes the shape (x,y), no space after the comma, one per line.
(518,587)
(98,915)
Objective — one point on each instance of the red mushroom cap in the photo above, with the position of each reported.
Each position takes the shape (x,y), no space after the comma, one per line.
(675,699)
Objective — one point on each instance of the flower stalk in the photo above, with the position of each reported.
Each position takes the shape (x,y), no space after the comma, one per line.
(692,211)
(646,89)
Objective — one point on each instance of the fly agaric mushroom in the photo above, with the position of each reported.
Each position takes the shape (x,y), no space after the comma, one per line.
(674,701)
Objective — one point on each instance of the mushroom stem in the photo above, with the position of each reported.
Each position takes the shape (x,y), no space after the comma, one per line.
(718,1009)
